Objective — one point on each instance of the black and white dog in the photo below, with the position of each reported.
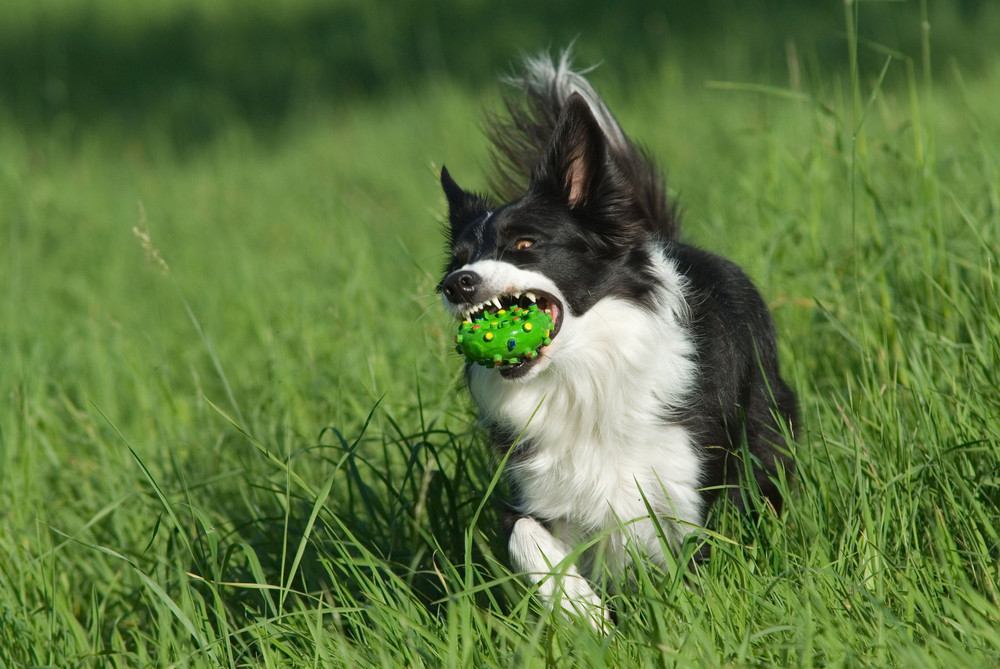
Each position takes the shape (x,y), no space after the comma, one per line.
(662,373)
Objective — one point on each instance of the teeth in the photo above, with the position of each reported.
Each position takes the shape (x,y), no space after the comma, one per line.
(497,302)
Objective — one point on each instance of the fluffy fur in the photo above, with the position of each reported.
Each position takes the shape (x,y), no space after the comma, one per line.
(662,373)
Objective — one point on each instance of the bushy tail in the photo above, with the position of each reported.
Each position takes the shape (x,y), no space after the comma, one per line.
(520,138)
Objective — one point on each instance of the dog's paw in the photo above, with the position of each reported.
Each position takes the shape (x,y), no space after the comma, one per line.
(578,599)
(543,558)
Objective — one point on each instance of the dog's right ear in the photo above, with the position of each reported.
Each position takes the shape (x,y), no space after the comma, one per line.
(463,207)
(452,190)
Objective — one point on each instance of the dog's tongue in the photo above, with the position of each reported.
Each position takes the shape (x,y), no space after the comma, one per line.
(506,337)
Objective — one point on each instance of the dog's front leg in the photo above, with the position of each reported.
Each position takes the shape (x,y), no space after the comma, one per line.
(536,552)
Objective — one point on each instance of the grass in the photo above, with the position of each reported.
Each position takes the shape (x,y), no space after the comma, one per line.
(233,434)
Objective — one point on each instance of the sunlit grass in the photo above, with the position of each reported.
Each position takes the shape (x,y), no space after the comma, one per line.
(235,434)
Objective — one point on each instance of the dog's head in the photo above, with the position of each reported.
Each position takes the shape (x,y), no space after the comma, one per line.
(575,237)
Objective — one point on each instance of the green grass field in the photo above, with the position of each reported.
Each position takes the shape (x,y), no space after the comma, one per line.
(233,432)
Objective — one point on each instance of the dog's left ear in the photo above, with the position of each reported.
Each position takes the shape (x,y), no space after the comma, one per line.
(576,161)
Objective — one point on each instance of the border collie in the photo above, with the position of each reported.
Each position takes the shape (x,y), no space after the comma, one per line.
(660,387)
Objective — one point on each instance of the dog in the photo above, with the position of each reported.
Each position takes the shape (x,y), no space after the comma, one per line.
(660,386)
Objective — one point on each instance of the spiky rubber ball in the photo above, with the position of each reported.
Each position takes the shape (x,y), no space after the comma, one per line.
(505,337)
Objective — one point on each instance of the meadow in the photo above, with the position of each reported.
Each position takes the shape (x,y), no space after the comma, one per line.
(233,432)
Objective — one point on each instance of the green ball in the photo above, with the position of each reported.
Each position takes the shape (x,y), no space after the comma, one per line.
(506,337)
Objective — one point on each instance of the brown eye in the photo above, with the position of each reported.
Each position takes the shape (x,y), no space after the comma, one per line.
(523,244)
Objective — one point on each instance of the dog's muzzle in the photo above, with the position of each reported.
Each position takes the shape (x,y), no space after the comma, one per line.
(460,287)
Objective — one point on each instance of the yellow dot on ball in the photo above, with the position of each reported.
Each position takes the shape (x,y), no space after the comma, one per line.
(527,327)
(488,336)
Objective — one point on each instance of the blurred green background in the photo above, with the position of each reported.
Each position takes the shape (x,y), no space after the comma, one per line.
(194,65)
(219,241)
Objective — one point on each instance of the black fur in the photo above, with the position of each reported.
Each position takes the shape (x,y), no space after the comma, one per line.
(587,211)
(741,397)
(594,246)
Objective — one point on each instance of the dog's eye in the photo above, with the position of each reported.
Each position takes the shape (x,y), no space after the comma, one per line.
(522,244)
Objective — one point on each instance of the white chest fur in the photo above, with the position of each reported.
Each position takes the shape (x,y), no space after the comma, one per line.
(596,421)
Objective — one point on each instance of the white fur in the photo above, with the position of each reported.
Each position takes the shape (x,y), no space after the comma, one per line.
(595,415)
(544,559)
(541,74)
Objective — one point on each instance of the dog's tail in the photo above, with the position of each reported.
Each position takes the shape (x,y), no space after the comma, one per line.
(520,139)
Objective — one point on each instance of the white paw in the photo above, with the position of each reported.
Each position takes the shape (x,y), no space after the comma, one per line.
(576,597)
(536,552)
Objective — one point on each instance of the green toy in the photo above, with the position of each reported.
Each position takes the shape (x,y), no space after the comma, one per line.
(505,337)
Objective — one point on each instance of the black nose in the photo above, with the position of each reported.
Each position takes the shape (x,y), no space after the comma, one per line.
(460,286)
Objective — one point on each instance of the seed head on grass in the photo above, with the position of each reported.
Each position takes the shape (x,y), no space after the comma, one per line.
(153,256)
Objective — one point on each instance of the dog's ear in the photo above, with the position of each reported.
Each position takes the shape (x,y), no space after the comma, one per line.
(582,169)
(463,207)
(452,190)
(576,160)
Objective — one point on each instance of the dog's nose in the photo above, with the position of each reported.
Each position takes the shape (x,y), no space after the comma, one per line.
(460,286)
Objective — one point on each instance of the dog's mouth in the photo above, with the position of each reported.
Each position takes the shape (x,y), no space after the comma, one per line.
(523,299)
